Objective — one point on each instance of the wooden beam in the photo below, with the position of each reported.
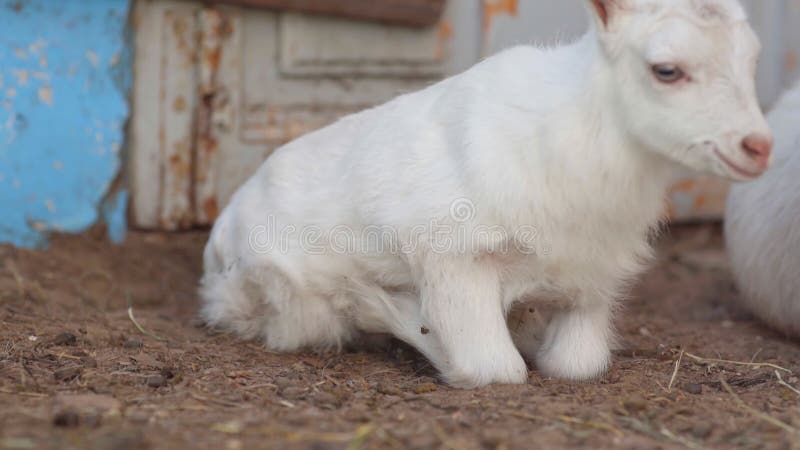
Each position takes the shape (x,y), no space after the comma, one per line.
(415,13)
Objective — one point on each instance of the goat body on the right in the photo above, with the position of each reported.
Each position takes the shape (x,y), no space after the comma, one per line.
(762,227)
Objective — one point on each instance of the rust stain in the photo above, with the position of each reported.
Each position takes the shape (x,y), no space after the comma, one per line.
(684,186)
(46,95)
(219,28)
(445,30)
(226,30)
(791,61)
(213,57)
(214,28)
(445,34)
(207,147)
(136,21)
(211,208)
(177,172)
(209,144)
(184,39)
(176,162)
(699,203)
(179,168)
(179,29)
(492,8)
(701,197)
(277,124)
(179,104)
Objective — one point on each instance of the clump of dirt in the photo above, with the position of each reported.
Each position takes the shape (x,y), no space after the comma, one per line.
(78,371)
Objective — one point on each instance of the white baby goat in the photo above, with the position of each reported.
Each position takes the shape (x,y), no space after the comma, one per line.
(536,175)
(762,227)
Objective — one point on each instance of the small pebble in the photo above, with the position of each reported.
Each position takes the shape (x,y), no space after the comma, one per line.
(327,400)
(422,441)
(67,373)
(635,404)
(702,430)
(322,445)
(234,444)
(92,420)
(133,343)
(493,438)
(282,382)
(156,381)
(168,373)
(357,415)
(388,389)
(426,388)
(65,338)
(120,440)
(66,418)
(139,417)
(664,355)
(293,393)
(90,362)
(692,388)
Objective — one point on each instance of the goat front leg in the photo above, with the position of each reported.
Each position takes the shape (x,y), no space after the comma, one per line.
(462,307)
(577,341)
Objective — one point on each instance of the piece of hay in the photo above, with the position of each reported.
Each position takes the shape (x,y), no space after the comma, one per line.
(737,363)
(785,384)
(138,326)
(675,372)
(761,415)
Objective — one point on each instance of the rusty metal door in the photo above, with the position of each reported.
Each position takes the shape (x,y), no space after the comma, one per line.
(217,89)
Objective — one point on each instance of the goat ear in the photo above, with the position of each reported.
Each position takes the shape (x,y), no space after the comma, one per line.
(604,10)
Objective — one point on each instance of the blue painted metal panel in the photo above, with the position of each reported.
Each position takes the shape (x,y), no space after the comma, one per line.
(64,77)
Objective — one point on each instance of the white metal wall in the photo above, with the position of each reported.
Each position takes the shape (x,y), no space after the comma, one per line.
(217,89)
(777,23)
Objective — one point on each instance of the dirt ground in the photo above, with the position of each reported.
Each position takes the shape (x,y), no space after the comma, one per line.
(75,372)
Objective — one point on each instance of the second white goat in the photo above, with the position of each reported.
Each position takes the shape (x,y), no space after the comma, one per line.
(762,227)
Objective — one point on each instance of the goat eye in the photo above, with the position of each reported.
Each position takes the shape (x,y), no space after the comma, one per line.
(668,73)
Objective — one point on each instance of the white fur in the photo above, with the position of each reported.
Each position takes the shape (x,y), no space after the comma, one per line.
(762,227)
(572,146)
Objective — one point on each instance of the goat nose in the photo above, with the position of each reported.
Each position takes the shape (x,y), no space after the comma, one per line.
(758,147)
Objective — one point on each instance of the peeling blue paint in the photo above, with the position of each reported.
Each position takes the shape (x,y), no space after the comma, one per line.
(114,210)
(64,77)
